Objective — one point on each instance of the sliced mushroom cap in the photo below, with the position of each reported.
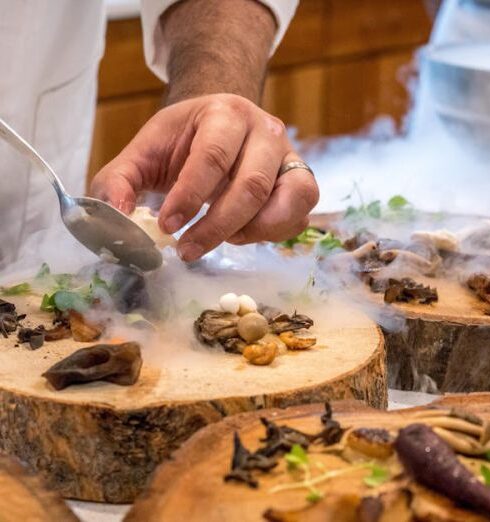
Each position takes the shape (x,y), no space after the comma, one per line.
(120,364)
(294,342)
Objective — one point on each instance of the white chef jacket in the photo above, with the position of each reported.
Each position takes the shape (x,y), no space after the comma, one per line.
(49,56)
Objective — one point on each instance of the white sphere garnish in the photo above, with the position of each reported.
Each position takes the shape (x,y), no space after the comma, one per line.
(246,305)
(229,303)
(143,217)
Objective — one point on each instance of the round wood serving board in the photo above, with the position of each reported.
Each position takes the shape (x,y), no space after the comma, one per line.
(190,486)
(444,346)
(101,441)
(25,499)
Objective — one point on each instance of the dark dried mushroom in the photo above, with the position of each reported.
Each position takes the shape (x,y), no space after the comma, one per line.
(6,307)
(9,319)
(282,438)
(480,284)
(116,363)
(129,290)
(332,431)
(433,463)
(243,462)
(404,290)
(58,332)
(34,336)
(284,323)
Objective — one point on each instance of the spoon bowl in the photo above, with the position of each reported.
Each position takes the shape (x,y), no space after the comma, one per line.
(95,224)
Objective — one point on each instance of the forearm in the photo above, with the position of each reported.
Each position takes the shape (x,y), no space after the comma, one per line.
(217,46)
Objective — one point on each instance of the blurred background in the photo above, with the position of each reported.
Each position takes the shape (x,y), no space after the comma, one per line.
(342,64)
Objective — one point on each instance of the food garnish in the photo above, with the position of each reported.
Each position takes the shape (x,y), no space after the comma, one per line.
(116,363)
(432,462)
(20,289)
(256,332)
(404,290)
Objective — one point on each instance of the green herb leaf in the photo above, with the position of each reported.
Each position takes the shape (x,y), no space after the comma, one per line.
(309,236)
(329,242)
(373,209)
(485,473)
(296,457)
(43,271)
(379,475)
(314,496)
(47,304)
(98,282)
(63,281)
(397,202)
(20,289)
(64,301)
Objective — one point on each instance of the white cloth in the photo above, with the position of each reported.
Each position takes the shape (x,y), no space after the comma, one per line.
(49,56)
(156,52)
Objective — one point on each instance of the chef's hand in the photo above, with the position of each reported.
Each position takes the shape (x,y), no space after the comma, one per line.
(220,149)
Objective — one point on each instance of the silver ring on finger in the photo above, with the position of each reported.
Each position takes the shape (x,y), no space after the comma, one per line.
(291,165)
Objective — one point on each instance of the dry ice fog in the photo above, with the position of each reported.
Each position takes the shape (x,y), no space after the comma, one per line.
(433,166)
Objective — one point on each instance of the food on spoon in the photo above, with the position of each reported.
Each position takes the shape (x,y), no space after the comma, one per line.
(144,218)
(116,363)
(260,354)
(433,462)
(252,327)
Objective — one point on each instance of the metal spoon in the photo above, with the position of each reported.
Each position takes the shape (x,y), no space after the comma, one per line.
(98,226)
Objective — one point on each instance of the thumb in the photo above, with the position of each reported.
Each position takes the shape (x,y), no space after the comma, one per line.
(117,184)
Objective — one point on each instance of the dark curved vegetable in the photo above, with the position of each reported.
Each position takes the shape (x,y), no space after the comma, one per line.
(33,336)
(117,363)
(129,290)
(433,463)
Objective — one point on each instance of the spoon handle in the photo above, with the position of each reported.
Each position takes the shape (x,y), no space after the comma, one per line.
(20,144)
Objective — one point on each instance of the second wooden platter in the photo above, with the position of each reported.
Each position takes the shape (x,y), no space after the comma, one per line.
(101,441)
(190,487)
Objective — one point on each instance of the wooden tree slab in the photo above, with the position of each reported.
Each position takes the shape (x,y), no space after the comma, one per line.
(101,441)
(444,346)
(441,347)
(190,486)
(25,499)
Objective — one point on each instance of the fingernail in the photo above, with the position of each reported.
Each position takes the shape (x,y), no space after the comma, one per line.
(124,206)
(173,223)
(190,251)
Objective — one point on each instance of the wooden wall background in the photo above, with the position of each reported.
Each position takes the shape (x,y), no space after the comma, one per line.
(341,64)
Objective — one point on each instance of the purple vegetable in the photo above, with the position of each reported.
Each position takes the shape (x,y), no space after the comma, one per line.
(433,463)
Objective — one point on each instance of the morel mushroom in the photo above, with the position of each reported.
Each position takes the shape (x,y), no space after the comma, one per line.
(118,363)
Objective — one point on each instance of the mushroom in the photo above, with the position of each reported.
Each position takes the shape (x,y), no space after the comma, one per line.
(440,239)
(260,354)
(273,338)
(83,330)
(116,363)
(252,327)
(215,327)
(293,342)
(374,442)
(246,305)
(229,303)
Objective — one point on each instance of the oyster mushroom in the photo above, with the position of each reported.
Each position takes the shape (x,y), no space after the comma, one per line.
(213,326)
(116,363)
(284,323)
(293,342)
(252,327)
(260,354)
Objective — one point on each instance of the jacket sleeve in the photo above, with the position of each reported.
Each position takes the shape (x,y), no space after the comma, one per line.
(156,52)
